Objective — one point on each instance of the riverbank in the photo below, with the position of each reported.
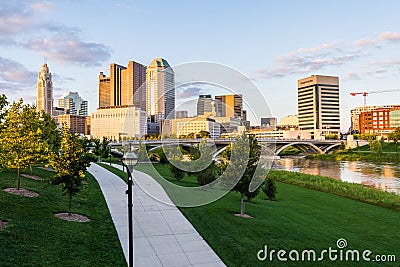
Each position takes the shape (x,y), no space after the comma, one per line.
(354,191)
(389,157)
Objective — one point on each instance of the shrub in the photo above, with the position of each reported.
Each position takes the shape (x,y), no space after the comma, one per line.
(176,172)
(269,189)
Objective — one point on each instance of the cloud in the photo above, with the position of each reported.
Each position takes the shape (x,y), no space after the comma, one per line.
(124,6)
(352,76)
(185,92)
(69,48)
(22,16)
(61,43)
(308,60)
(389,36)
(15,73)
(59,79)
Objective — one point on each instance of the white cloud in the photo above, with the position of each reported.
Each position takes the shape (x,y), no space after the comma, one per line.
(389,36)
(307,60)
(69,48)
(15,73)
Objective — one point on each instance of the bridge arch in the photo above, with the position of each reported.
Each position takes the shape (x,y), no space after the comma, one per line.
(314,147)
(326,150)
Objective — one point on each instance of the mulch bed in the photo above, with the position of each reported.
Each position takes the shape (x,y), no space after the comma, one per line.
(73,217)
(244,216)
(2,224)
(21,192)
(34,177)
(46,169)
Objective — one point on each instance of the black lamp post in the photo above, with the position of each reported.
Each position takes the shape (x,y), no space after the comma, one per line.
(129,160)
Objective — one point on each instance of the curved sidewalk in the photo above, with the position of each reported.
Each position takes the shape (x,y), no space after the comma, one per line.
(162,235)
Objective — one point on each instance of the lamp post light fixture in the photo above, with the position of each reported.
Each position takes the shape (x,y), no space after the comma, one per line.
(129,160)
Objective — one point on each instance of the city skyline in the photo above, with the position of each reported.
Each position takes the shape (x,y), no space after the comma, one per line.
(273,44)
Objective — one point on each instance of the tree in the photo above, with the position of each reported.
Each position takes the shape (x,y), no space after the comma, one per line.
(142,152)
(191,135)
(203,134)
(21,139)
(50,134)
(3,108)
(104,150)
(243,145)
(269,189)
(395,136)
(70,164)
(376,146)
(203,153)
(176,172)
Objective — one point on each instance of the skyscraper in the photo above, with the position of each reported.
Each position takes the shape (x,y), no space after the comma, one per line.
(123,86)
(117,79)
(229,106)
(160,91)
(205,104)
(73,104)
(133,85)
(44,100)
(318,105)
(104,91)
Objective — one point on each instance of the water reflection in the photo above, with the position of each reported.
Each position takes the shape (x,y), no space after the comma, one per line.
(382,176)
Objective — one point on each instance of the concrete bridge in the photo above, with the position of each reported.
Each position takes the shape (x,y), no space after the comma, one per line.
(273,146)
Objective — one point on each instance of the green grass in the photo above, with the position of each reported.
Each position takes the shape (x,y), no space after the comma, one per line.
(386,147)
(300,219)
(358,156)
(35,237)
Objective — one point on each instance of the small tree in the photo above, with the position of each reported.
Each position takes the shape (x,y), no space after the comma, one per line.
(395,136)
(269,189)
(176,172)
(142,152)
(104,150)
(21,141)
(203,155)
(70,164)
(376,146)
(204,134)
(242,145)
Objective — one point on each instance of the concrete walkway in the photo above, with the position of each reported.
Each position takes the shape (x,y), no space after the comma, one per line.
(162,235)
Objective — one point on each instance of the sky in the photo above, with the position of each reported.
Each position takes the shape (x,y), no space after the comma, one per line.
(272,43)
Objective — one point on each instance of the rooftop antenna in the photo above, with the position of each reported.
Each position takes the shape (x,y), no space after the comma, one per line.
(45,60)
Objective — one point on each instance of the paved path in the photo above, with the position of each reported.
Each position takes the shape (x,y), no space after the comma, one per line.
(162,235)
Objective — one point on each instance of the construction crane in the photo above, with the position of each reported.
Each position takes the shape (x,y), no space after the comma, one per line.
(364,94)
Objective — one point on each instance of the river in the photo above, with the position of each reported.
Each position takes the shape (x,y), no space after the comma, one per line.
(384,176)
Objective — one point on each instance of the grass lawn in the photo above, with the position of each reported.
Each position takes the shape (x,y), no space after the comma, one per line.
(386,147)
(300,219)
(35,237)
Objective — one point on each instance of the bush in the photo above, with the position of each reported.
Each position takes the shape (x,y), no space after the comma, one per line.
(207,175)
(176,172)
(269,189)
(162,158)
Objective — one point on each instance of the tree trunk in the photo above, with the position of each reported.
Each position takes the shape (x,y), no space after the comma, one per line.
(242,205)
(19,179)
(70,204)
(30,166)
